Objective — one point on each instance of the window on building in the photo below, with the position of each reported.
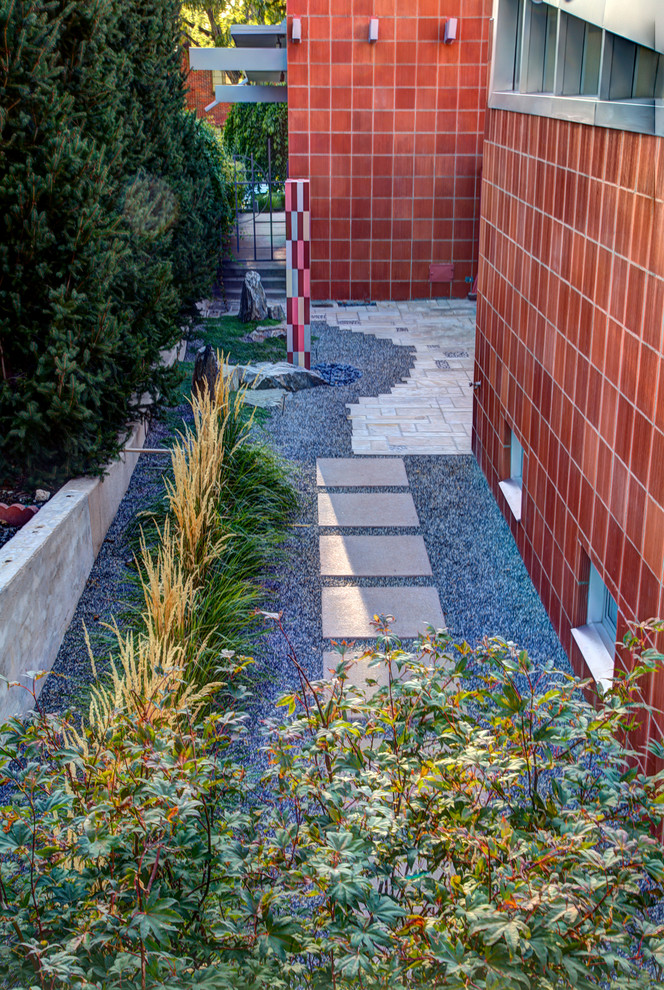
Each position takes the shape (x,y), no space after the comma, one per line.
(512,487)
(597,638)
(544,51)
(542,41)
(636,72)
(220,78)
(602,608)
(581,56)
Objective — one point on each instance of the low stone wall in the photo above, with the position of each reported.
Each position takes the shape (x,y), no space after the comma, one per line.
(43,571)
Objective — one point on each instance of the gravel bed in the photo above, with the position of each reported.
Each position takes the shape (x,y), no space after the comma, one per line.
(482,581)
(6,533)
(483,584)
(111,589)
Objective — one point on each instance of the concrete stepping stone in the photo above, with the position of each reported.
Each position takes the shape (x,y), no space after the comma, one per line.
(374,556)
(362,671)
(368,472)
(348,611)
(367,509)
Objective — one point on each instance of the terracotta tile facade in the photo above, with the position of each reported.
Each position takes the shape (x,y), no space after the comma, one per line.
(390,135)
(570,353)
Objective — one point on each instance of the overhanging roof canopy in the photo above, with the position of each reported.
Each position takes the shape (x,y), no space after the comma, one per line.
(641,21)
(259,35)
(260,52)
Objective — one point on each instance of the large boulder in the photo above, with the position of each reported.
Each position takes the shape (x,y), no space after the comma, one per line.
(264,374)
(253,304)
(206,370)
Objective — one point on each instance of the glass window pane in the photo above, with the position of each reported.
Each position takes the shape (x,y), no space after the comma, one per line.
(550,50)
(610,618)
(592,56)
(536,48)
(519,44)
(645,73)
(573,55)
(659,79)
(516,458)
(622,69)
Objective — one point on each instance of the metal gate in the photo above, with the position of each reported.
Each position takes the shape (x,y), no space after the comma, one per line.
(260,226)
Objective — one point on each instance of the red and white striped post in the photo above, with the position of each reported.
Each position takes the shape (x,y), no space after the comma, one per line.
(298,273)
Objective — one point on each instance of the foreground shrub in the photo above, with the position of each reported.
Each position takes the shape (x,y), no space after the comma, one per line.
(487,833)
(470,824)
(115,853)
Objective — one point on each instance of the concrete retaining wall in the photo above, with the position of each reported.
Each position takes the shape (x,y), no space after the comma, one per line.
(43,571)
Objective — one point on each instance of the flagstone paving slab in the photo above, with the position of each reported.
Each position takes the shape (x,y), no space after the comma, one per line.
(366,509)
(443,335)
(374,556)
(348,612)
(368,472)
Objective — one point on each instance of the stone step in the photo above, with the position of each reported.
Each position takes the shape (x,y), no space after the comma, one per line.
(374,556)
(363,509)
(367,472)
(348,611)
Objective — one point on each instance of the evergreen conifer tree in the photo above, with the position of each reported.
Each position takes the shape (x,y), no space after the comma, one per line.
(58,256)
(110,206)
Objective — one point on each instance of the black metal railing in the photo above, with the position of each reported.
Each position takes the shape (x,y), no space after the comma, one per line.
(256,190)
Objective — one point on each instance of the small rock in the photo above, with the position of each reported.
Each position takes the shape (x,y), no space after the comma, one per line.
(260,334)
(206,370)
(253,304)
(41,495)
(276,312)
(264,374)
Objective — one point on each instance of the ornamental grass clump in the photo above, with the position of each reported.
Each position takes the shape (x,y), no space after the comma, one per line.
(226,506)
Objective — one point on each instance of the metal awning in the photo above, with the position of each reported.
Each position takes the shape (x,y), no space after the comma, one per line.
(259,35)
(260,52)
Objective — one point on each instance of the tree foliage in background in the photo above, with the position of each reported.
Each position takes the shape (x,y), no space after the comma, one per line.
(207,23)
(110,224)
(248,128)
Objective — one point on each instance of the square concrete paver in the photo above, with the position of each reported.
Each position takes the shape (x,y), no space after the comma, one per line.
(363,670)
(365,509)
(348,612)
(373,556)
(347,472)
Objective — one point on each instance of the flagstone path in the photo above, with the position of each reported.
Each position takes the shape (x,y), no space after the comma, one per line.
(431,411)
(348,609)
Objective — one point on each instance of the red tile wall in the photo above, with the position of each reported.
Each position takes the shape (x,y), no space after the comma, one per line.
(390,135)
(200,94)
(570,352)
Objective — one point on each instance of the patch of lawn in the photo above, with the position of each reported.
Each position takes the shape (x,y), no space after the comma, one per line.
(226,332)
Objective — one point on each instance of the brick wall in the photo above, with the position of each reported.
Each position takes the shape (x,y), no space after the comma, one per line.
(201,93)
(390,135)
(570,352)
